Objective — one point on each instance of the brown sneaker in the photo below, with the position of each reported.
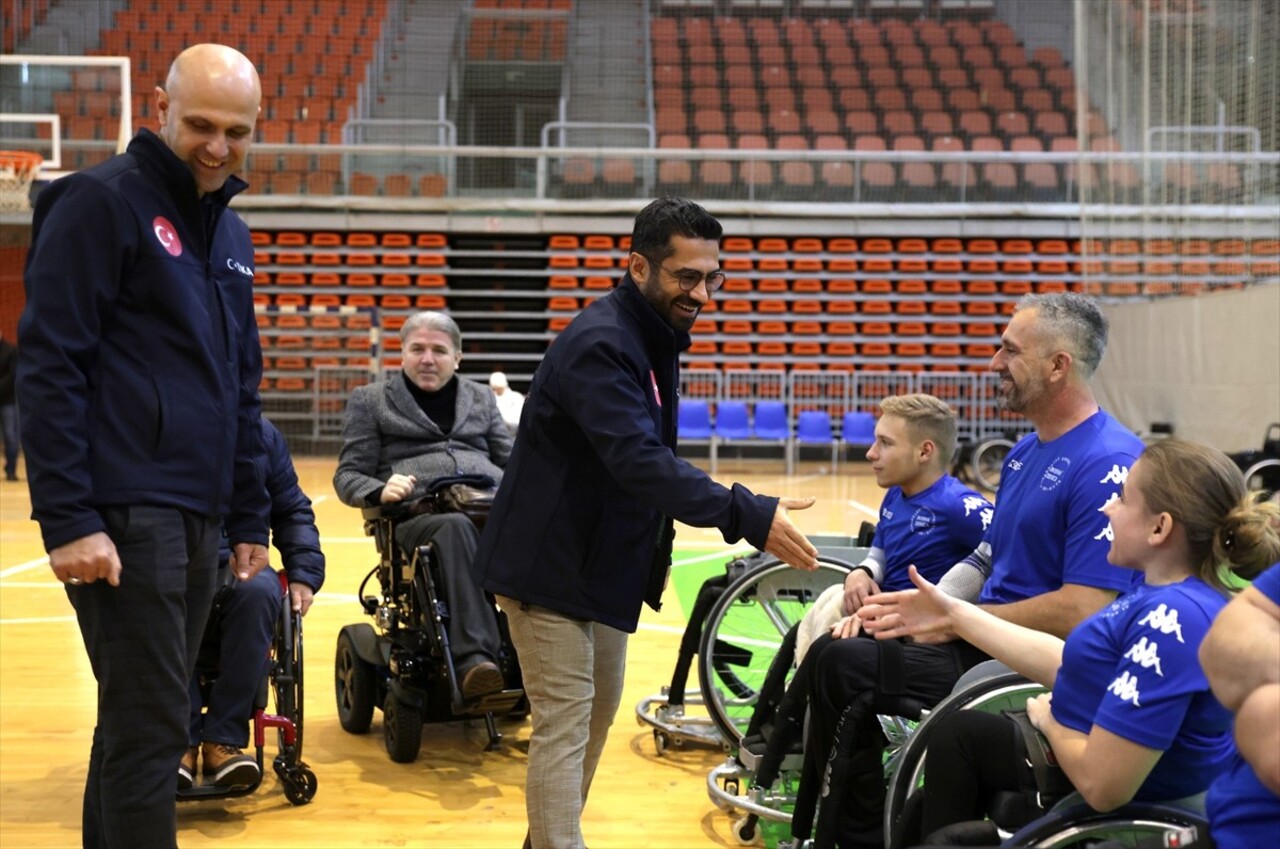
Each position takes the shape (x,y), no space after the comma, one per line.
(187,768)
(227,766)
(482,679)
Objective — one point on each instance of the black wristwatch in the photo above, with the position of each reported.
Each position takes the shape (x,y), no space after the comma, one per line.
(861,568)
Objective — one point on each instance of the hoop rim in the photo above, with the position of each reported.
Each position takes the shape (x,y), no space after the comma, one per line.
(21,161)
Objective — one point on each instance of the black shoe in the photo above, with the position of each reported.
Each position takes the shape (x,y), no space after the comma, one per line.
(227,766)
(482,679)
(11,476)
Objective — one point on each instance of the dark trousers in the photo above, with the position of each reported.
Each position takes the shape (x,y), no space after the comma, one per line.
(9,433)
(848,671)
(142,638)
(972,755)
(473,622)
(242,633)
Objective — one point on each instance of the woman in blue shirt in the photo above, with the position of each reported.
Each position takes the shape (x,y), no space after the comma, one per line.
(1131,716)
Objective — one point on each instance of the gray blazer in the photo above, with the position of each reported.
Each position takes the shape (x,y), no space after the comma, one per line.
(385,432)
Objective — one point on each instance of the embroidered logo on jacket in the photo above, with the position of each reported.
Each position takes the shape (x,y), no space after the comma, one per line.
(167,236)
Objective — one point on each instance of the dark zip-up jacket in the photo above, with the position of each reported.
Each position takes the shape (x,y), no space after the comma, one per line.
(582,523)
(293,519)
(138,356)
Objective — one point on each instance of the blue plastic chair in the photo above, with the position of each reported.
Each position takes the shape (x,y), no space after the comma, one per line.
(771,425)
(858,428)
(813,427)
(731,421)
(771,421)
(693,426)
(695,419)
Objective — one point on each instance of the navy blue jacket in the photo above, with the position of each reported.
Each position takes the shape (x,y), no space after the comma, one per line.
(293,521)
(582,521)
(138,357)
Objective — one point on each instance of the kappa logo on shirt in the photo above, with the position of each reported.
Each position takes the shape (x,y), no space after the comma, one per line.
(1145,653)
(973,502)
(1015,465)
(1165,620)
(1118,475)
(1126,689)
(987,514)
(167,236)
(1106,533)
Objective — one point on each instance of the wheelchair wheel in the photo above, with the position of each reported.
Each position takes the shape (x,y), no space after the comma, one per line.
(287,681)
(354,685)
(1081,826)
(988,461)
(744,631)
(402,729)
(1263,476)
(1007,690)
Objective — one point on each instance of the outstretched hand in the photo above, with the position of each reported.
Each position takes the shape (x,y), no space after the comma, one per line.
(786,542)
(924,613)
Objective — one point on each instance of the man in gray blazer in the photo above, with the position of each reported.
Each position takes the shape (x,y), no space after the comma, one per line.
(404,432)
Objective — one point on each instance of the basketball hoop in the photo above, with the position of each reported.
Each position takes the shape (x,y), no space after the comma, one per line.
(18,169)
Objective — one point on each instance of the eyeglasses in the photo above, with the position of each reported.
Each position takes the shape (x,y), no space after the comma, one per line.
(689,278)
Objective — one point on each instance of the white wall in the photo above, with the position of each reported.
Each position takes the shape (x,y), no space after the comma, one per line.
(1210,365)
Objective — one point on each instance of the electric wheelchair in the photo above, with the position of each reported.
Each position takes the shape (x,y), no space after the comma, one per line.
(281,689)
(401,662)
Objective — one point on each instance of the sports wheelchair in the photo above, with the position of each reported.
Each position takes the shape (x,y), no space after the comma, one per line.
(283,684)
(742,630)
(1019,819)
(402,661)
(1261,468)
(738,619)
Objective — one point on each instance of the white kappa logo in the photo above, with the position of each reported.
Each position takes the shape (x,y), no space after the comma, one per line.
(1165,620)
(1126,689)
(1118,475)
(1145,653)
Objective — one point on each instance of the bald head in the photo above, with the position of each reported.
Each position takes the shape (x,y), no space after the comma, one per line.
(214,65)
(208,109)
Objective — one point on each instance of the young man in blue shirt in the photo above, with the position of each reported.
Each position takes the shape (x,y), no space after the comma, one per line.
(927,518)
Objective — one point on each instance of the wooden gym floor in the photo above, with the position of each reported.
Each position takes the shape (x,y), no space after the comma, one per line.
(454,795)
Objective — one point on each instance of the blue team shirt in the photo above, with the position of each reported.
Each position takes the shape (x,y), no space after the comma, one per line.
(1049,528)
(1243,813)
(1132,668)
(934,529)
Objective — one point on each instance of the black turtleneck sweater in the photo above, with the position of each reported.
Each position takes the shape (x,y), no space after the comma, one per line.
(439,406)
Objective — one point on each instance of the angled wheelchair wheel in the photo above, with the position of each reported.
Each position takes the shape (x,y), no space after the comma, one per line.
(1080,826)
(744,631)
(1006,690)
(402,729)
(354,685)
(988,461)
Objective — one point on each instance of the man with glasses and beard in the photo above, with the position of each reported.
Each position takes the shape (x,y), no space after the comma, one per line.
(581,530)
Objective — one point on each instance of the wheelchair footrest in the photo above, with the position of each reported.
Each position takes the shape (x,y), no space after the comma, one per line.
(501,702)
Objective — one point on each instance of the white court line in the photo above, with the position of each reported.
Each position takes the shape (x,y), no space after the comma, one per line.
(23,567)
(43,620)
(858,505)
